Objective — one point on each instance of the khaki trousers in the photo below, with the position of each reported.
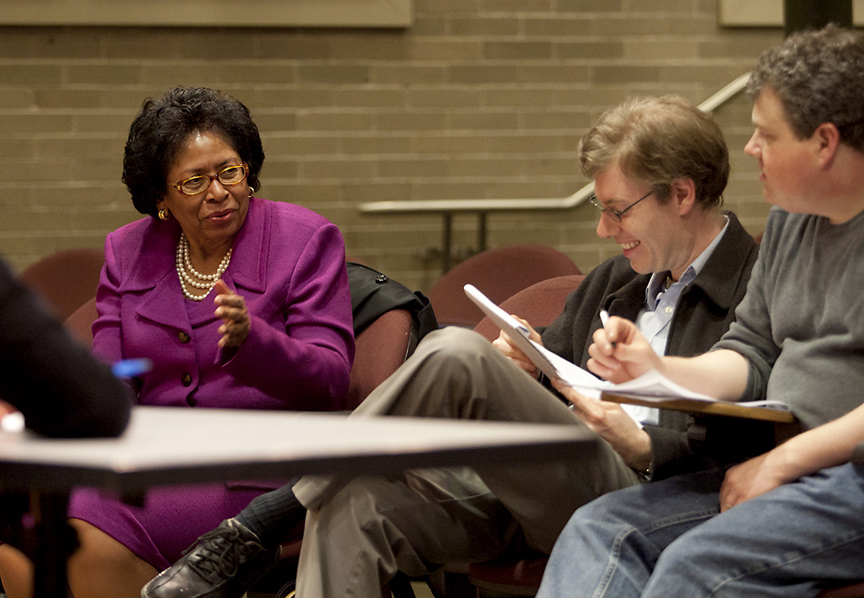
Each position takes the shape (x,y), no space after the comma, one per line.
(360,531)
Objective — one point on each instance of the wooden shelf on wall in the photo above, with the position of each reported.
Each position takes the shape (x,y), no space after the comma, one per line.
(208,13)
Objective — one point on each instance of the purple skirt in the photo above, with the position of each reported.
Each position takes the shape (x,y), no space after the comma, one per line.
(170,521)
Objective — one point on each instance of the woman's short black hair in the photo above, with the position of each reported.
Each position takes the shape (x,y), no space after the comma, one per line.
(163,126)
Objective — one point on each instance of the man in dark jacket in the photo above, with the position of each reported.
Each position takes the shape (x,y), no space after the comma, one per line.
(659,166)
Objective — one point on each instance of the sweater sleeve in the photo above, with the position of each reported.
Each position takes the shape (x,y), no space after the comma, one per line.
(750,334)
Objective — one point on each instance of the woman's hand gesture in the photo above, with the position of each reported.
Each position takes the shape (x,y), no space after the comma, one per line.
(231,308)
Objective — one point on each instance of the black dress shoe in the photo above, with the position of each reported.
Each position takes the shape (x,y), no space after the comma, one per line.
(223,563)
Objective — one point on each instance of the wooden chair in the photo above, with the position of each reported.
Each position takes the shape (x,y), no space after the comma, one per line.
(500,274)
(65,279)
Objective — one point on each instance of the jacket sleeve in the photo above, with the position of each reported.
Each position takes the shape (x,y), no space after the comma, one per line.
(671,453)
(318,348)
(107,333)
(54,381)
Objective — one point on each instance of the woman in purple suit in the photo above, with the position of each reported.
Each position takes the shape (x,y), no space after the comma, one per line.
(240,303)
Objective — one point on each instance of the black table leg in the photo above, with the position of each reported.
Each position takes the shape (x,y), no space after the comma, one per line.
(55,541)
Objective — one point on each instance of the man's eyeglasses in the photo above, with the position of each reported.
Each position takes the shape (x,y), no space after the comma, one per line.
(230,175)
(615,214)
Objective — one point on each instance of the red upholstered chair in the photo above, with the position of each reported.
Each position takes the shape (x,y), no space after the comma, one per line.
(499,273)
(514,576)
(379,351)
(80,322)
(65,279)
(539,304)
(853,591)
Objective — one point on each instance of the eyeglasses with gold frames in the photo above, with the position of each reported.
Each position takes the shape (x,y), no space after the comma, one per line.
(228,176)
(615,214)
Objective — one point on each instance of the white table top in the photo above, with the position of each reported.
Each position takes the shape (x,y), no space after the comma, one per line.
(165,446)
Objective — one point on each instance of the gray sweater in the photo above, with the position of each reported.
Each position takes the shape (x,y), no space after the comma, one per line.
(801,323)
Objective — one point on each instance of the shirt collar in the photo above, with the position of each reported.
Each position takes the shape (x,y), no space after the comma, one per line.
(657,284)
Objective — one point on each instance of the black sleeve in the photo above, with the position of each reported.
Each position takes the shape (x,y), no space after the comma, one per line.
(53,380)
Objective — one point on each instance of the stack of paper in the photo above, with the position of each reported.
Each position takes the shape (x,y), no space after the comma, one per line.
(648,386)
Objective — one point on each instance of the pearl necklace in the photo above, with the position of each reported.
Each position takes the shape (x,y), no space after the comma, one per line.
(185,268)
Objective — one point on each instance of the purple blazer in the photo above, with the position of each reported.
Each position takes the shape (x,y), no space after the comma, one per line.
(288,263)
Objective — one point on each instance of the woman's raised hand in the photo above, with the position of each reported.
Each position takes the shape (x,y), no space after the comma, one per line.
(231,308)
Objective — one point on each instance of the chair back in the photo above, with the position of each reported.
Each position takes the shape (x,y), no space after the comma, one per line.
(499,274)
(539,304)
(379,350)
(80,322)
(65,279)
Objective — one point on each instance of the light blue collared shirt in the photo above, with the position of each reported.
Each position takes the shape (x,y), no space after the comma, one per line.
(654,319)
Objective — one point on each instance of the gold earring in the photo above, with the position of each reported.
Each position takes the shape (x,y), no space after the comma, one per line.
(163,214)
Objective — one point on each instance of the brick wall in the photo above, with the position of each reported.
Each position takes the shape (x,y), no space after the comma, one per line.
(478,99)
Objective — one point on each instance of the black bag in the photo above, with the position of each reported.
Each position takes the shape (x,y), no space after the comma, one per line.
(374,293)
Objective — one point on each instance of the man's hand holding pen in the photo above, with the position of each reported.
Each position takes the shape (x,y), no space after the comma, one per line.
(620,352)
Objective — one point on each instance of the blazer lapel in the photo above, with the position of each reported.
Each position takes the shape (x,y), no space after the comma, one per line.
(154,277)
(248,268)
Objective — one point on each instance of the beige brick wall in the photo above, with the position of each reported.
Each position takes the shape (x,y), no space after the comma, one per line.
(479,99)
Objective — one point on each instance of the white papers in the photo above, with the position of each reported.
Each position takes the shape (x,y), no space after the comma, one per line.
(652,386)
(516,331)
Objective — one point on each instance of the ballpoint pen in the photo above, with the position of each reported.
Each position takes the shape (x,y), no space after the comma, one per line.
(604,319)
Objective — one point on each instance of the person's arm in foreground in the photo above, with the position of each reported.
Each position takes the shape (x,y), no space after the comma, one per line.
(828,445)
(54,381)
(620,353)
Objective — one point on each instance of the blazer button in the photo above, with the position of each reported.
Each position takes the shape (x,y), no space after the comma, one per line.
(184,337)
(186,379)
(191,401)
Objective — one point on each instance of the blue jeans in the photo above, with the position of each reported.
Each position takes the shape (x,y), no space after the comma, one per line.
(669,538)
